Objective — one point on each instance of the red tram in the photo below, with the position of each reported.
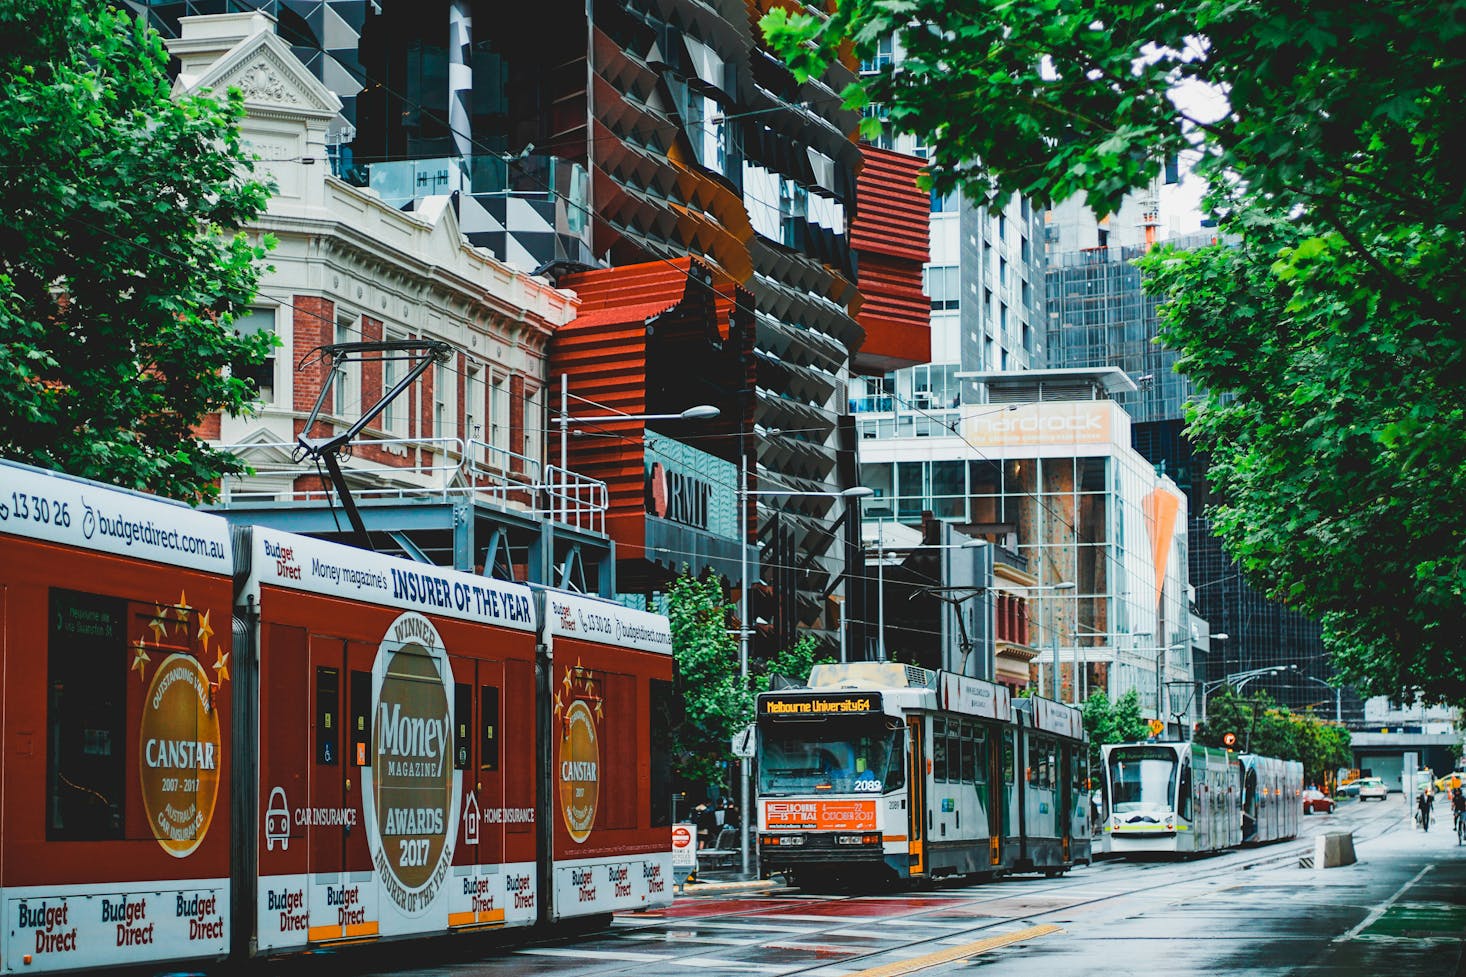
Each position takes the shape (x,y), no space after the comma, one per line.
(253,742)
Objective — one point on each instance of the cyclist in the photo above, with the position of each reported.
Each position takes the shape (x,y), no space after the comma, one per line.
(1458,806)
(1423,803)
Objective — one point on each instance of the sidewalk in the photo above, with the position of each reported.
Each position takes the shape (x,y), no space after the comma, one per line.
(1404,904)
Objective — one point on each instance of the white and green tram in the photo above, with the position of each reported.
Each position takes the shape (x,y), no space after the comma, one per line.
(879,771)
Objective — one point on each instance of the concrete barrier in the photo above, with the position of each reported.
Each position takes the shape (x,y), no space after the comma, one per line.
(1333,848)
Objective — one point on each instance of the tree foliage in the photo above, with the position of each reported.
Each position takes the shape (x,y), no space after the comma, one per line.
(715,702)
(1262,726)
(120,257)
(1118,721)
(1330,340)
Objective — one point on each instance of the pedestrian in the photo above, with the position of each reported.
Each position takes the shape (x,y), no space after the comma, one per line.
(707,825)
(730,813)
(1423,804)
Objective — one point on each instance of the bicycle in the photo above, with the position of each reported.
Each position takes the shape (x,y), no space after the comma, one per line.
(1460,827)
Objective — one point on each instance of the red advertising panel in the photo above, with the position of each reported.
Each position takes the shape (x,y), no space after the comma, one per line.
(117,690)
(612,811)
(397,745)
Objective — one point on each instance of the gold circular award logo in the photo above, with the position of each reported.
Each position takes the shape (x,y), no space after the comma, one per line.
(411,783)
(179,755)
(580,761)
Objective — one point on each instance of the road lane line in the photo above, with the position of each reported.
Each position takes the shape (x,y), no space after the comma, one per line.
(1377,913)
(957,952)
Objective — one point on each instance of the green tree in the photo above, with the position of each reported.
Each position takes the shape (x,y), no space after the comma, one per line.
(1119,721)
(716,703)
(120,257)
(1330,340)
(793,663)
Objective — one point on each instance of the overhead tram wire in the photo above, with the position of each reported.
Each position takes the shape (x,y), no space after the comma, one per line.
(511,159)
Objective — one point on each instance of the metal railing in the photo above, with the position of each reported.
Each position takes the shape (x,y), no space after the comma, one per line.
(438,468)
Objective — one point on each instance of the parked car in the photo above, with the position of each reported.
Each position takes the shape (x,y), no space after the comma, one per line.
(1351,789)
(1317,802)
(1372,787)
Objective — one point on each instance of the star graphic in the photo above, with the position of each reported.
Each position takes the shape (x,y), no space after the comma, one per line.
(205,630)
(567,679)
(599,715)
(140,660)
(181,609)
(559,706)
(159,624)
(221,664)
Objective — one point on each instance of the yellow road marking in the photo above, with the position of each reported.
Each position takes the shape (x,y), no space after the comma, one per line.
(957,952)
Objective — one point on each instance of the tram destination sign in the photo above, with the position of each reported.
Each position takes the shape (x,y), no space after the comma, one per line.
(808,706)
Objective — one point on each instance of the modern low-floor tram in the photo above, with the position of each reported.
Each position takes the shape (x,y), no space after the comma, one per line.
(1184,798)
(888,772)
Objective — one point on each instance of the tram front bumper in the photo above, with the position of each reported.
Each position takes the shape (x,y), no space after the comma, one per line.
(820,846)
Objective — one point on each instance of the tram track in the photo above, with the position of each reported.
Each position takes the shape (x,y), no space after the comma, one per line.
(891,959)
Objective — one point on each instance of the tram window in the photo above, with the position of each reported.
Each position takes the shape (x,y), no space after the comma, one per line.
(86,717)
(361,718)
(979,756)
(328,725)
(968,765)
(1009,759)
(488,717)
(661,703)
(1183,791)
(939,749)
(462,724)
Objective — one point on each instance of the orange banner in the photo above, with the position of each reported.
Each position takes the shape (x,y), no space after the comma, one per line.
(821,815)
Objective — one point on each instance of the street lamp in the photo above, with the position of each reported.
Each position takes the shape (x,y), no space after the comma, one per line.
(1338,694)
(1241,679)
(701,412)
(744,767)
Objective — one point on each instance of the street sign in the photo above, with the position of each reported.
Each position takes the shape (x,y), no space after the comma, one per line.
(683,852)
(743,742)
(1229,740)
(1157,727)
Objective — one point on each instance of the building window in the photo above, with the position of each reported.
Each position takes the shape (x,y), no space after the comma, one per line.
(473,411)
(262,376)
(346,388)
(394,415)
(944,287)
(882,57)
(499,413)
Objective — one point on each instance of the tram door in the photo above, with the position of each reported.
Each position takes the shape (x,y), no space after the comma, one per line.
(476,731)
(340,750)
(997,804)
(916,809)
(1064,812)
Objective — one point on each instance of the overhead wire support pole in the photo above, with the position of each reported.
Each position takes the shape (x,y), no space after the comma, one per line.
(328,449)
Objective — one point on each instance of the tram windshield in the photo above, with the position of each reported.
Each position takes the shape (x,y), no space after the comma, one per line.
(1142,779)
(839,756)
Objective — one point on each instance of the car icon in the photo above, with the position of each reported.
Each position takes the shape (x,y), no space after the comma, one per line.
(277,821)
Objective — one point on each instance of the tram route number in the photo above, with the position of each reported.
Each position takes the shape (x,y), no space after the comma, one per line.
(36,508)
